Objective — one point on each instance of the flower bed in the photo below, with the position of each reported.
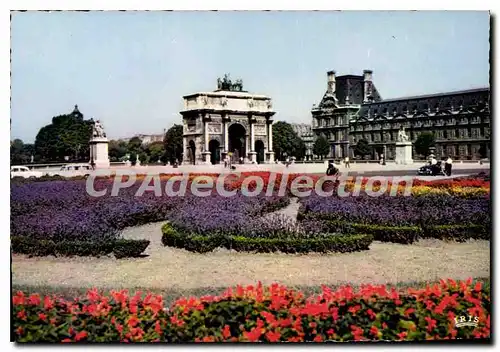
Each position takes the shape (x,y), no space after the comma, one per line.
(260,314)
(50,217)
(402,219)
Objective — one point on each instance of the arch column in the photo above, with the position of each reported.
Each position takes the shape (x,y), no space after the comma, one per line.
(225,122)
(270,152)
(252,155)
(206,153)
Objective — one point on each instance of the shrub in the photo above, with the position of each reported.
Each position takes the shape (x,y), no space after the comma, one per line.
(272,313)
(82,249)
(383,233)
(458,233)
(32,247)
(129,248)
(206,243)
(38,247)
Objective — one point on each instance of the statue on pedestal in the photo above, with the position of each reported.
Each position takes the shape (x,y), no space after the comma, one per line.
(98,130)
(402,136)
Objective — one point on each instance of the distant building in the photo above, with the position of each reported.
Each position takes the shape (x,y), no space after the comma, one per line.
(146,138)
(305,132)
(151,138)
(352,109)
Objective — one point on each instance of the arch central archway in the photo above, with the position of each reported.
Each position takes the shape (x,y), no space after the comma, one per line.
(214,148)
(259,149)
(237,141)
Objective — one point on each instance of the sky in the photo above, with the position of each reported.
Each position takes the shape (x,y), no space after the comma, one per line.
(131,69)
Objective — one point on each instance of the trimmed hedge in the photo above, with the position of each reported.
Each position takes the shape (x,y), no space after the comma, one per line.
(459,233)
(129,248)
(383,233)
(41,248)
(206,243)
(405,234)
(258,313)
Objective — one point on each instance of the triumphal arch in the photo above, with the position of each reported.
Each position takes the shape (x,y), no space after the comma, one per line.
(227,122)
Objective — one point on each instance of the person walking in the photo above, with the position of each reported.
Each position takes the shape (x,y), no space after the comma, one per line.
(447,166)
(346,162)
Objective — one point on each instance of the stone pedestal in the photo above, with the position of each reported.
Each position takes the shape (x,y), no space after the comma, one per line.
(404,153)
(206,158)
(252,157)
(99,152)
(270,157)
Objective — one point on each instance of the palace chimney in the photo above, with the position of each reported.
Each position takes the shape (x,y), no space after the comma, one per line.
(367,86)
(331,82)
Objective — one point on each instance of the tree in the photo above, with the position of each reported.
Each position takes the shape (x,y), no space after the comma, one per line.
(362,148)
(134,145)
(286,141)
(155,151)
(424,142)
(321,147)
(20,153)
(173,144)
(67,135)
(117,149)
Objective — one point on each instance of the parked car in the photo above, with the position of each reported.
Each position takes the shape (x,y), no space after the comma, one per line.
(431,170)
(72,170)
(24,171)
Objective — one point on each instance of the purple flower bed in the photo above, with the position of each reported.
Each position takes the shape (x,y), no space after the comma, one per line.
(224,215)
(386,210)
(62,210)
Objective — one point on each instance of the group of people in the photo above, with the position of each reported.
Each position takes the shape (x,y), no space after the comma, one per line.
(444,167)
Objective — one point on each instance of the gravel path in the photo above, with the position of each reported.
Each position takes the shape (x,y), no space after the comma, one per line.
(170,268)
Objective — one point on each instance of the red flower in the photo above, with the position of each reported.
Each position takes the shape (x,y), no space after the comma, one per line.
(318,338)
(253,335)
(402,335)
(330,332)
(285,322)
(409,311)
(47,303)
(273,336)
(34,299)
(18,299)
(208,339)
(374,330)
(354,309)
(478,286)
(357,332)
(20,330)
(21,315)
(371,314)
(42,316)
(93,295)
(133,321)
(67,340)
(431,323)
(226,332)
(81,335)
(158,327)
(312,325)
(384,326)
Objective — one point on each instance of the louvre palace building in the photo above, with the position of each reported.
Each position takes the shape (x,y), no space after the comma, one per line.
(353,109)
